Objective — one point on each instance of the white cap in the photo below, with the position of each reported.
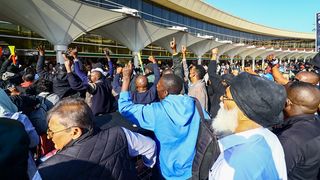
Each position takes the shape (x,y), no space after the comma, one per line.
(99,70)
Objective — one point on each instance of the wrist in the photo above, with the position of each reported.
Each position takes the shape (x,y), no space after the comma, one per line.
(68,69)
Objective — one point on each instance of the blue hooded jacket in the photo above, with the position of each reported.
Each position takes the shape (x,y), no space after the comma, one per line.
(175,122)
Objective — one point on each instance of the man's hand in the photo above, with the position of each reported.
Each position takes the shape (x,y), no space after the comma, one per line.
(74,52)
(67,63)
(106,51)
(41,50)
(127,71)
(270,58)
(119,70)
(214,53)
(173,46)
(126,74)
(13,91)
(13,56)
(183,49)
(152,59)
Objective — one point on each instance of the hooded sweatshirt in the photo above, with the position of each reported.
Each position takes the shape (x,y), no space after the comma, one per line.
(175,122)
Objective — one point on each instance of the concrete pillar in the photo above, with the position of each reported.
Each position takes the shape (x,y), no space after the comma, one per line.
(59,49)
(199,60)
(253,63)
(296,60)
(242,63)
(135,59)
(304,60)
(231,60)
(262,64)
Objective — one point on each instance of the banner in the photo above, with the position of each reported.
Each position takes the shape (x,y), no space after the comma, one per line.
(141,63)
(13,54)
(318,32)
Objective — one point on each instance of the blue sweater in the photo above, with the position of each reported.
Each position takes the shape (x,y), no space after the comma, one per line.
(175,122)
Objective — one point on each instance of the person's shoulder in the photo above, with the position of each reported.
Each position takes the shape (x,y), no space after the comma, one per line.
(55,159)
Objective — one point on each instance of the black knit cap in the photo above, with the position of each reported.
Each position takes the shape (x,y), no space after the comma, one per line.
(258,98)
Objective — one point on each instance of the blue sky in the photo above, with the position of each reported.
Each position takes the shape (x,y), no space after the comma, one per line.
(294,15)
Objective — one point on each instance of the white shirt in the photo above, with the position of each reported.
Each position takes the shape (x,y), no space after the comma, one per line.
(252,154)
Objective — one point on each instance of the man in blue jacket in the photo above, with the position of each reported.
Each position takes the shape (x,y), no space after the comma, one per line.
(174,120)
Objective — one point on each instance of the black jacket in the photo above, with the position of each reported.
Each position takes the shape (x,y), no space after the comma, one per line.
(101,154)
(102,99)
(59,79)
(14,143)
(215,89)
(300,138)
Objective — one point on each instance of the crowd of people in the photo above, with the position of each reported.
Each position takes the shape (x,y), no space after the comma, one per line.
(266,123)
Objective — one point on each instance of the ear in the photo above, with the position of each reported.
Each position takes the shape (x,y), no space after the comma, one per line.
(288,102)
(166,93)
(76,132)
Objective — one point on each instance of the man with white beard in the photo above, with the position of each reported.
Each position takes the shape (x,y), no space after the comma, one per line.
(249,150)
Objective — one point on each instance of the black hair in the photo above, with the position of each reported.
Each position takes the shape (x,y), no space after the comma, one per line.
(28,77)
(172,83)
(200,71)
(43,85)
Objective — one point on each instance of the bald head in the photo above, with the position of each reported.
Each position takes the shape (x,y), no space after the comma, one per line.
(304,98)
(308,77)
(167,71)
(141,83)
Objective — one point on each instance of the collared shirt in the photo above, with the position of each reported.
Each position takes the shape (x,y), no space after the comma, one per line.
(141,145)
(199,91)
(252,154)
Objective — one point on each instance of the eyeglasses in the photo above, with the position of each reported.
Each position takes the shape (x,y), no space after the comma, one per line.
(51,133)
(225,98)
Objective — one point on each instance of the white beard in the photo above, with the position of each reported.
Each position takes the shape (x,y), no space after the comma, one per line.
(226,121)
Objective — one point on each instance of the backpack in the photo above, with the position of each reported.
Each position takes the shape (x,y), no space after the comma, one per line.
(207,148)
(38,116)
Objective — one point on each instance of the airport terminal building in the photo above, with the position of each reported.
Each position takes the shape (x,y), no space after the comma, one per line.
(236,38)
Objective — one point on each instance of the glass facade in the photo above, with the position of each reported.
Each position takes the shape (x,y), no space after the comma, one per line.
(165,17)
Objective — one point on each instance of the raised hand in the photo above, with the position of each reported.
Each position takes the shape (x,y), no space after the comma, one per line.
(173,44)
(152,59)
(106,51)
(214,51)
(41,49)
(73,52)
(127,71)
(183,49)
(67,63)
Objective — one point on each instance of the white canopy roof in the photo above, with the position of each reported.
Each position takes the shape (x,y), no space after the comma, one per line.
(204,46)
(58,21)
(133,32)
(181,38)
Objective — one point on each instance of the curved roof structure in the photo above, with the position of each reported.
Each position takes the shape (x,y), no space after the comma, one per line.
(206,12)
